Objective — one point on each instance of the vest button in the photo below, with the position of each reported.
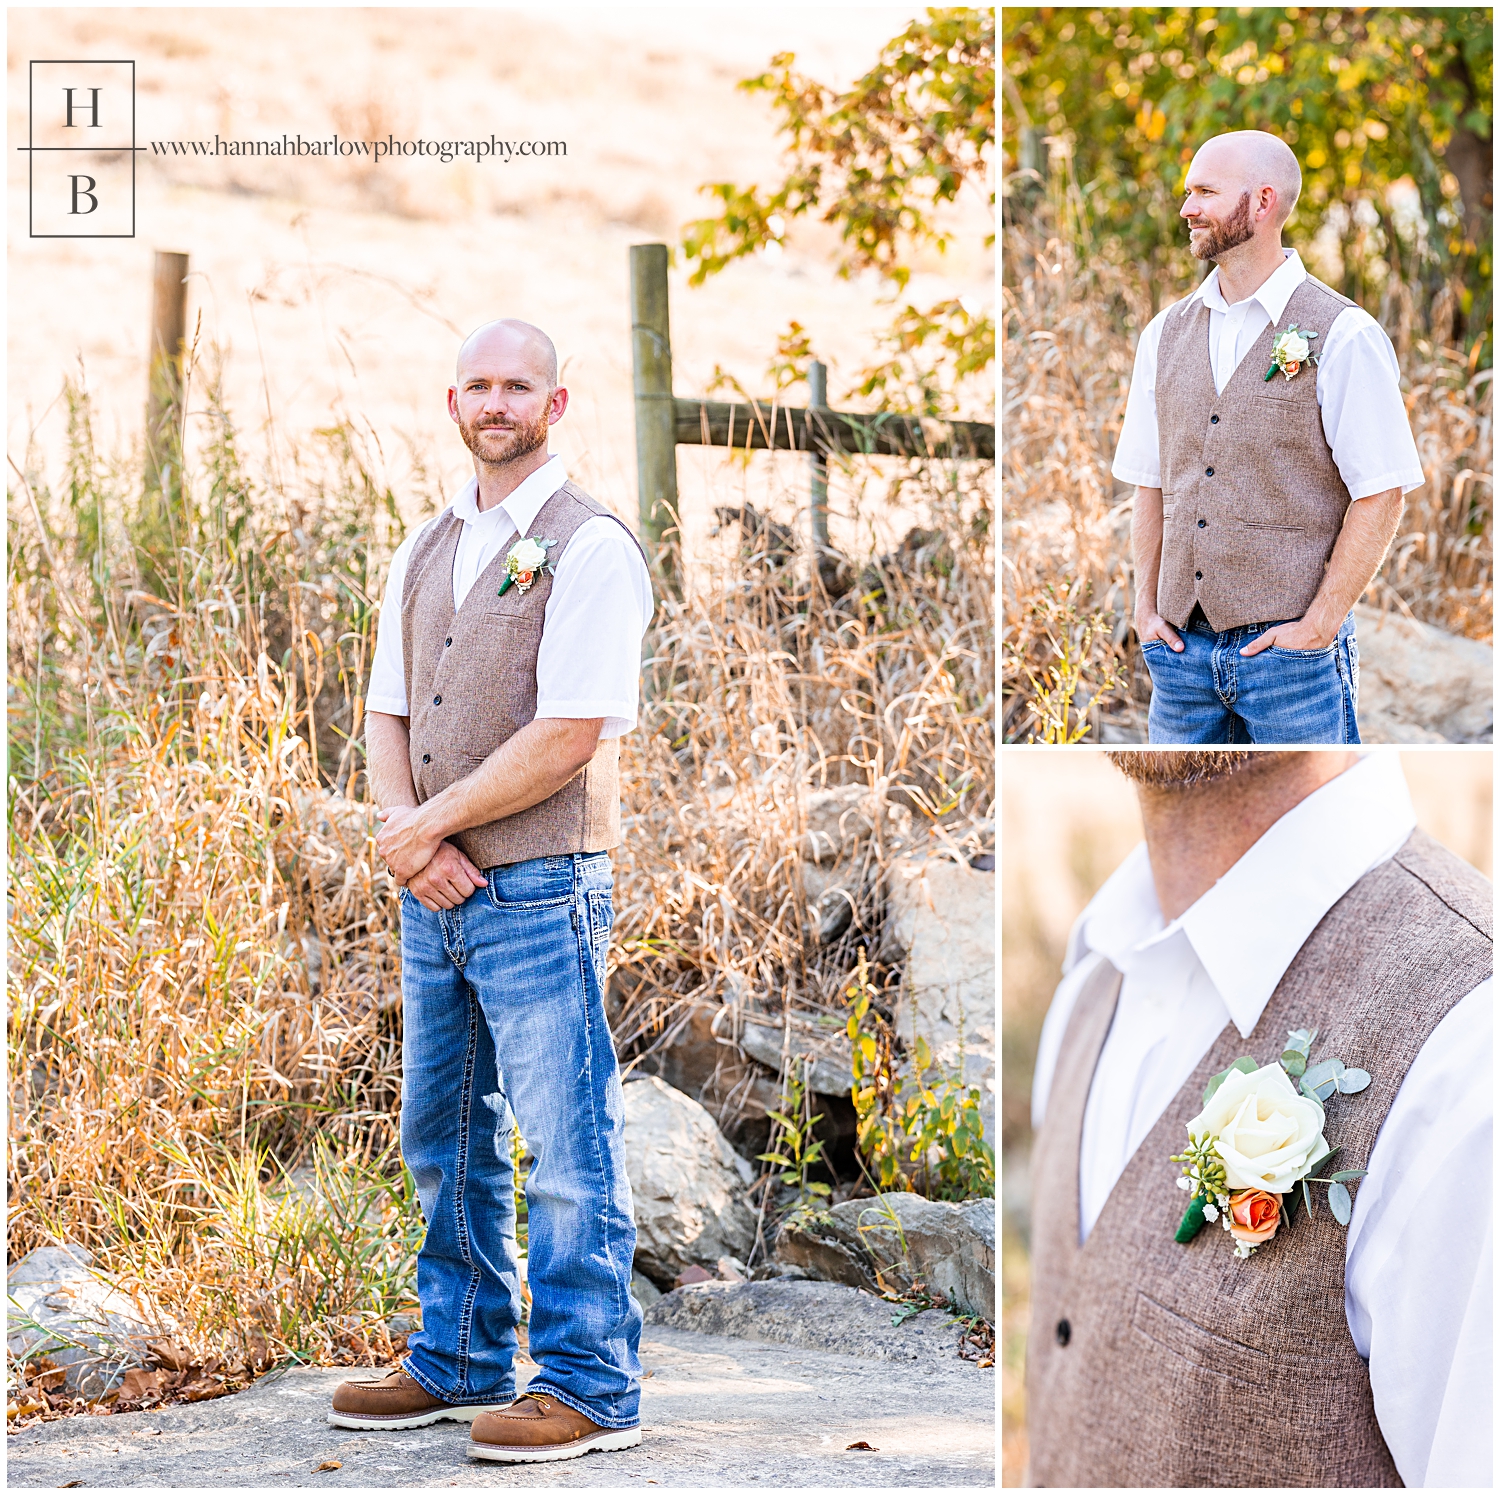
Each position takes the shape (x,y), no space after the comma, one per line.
(1208,472)
(447,643)
(1203,524)
(437,700)
(1213,420)
(1197,576)
(1064,1331)
(427,757)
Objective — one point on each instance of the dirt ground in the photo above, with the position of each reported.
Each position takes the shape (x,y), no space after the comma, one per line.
(340,291)
(715,1412)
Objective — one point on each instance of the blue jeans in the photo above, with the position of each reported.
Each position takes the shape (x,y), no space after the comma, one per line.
(504,1025)
(1211,693)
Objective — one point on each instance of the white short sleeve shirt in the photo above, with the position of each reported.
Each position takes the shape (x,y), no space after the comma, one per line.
(1358,386)
(589,664)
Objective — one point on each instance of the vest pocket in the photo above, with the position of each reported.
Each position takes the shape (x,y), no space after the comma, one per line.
(1191,1342)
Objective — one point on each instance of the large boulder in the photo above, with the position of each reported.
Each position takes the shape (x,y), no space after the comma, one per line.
(1420,684)
(894,1241)
(941,918)
(687,1181)
(59,1309)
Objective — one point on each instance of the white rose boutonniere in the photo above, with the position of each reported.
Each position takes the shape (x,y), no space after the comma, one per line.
(1290,350)
(1257,1139)
(526,561)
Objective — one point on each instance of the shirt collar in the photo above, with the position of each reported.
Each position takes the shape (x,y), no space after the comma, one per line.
(521,507)
(1247,929)
(1273,294)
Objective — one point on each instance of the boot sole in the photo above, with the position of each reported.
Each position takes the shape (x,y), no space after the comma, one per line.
(610,1441)
(370,1423)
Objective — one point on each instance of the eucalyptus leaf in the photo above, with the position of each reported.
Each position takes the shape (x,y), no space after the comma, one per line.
(1244,1065)
(1294,1061)
(1307,1199)
(1346,1174)
(1325,1069)
(1352,1081)
(1326,1089)
(1310,1091)
(1289,1204)
(1321,1158)
(1339,1202)
(1301,1040)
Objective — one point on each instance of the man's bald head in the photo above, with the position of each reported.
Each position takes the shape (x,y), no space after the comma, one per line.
(1246,161)
(512,338)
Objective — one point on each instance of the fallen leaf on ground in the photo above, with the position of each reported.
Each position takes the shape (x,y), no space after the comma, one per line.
(328,1464)
(68,1484)
(691,1274)
(868,1447)
(646,1376)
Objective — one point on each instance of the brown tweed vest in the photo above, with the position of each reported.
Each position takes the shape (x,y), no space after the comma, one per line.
(1250,542)
(1184,1365)
(471,685)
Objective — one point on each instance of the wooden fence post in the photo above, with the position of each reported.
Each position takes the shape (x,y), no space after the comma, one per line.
(655,434)
(817,389)
(164,370)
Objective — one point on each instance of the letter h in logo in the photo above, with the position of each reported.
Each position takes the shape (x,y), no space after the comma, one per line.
(81,146)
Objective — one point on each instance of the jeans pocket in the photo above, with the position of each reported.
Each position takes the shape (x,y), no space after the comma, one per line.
(601,921)
(543,882)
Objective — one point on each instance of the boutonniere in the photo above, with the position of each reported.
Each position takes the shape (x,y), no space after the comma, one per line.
(1290,351)
(1256,1142)
(526,561)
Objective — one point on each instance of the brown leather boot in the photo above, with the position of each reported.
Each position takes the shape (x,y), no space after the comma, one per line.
(538,1429)
(395,1401)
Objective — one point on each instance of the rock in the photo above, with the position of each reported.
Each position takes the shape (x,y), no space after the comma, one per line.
(839,820)
(941,917)
(811,1315)
(830,1071)
(643,1289)
(687,1180)
(61,1310)
(949,1248)
(1420,684)
(704,1062)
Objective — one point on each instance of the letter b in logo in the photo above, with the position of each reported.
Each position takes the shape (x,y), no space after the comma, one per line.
(82,149)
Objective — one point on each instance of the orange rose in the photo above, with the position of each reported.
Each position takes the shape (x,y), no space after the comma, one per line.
(1291,368)
(1254,1216)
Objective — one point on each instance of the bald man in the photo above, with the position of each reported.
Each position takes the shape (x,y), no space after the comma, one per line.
(1268,441)
(506,670)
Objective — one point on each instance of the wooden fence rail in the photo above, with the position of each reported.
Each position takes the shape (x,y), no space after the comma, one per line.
(663,422)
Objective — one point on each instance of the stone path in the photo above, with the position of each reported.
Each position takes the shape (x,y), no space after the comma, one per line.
(716,1411)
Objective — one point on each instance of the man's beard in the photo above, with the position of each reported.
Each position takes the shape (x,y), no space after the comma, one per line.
(1160,770)
(523,439)
(1219,239)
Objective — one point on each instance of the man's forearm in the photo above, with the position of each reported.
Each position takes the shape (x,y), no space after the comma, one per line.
(388,752)
(1369,527)
(526,769)
(1145,542)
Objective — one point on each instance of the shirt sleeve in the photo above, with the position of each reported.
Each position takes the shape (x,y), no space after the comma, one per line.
(1138,456)
(589,663)
(1364,415)
(387,691)
(1417,1283)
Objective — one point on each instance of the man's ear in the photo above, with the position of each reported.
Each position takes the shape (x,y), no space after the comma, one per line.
(453,402)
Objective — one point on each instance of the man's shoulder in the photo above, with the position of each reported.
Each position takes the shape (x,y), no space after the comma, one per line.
(585,509)
(1466,893)
(1315,290)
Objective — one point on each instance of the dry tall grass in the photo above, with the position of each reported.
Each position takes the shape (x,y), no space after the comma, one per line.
(1070,657)
(204,955)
